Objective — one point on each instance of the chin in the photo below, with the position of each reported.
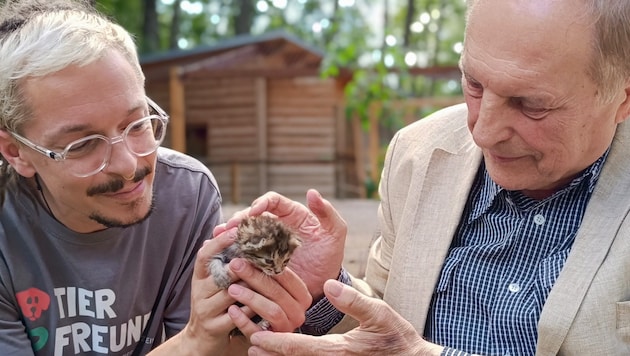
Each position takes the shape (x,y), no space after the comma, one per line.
(136,214)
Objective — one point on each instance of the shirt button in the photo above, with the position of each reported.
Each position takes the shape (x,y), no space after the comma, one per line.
(539,219)
(514,288)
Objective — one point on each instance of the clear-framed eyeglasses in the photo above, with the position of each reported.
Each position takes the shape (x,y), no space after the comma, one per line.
(91,154)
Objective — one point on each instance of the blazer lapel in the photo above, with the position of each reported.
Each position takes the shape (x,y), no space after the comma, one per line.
(439,203)
(606,209)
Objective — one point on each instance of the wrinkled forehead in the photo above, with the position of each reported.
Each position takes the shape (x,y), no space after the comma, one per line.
(539,30)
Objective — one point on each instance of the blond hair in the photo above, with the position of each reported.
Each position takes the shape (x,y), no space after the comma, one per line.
(40,37)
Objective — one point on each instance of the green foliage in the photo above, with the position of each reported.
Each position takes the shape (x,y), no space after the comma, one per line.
(126,13)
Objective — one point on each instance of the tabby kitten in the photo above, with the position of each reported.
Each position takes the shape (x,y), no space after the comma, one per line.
(262,240)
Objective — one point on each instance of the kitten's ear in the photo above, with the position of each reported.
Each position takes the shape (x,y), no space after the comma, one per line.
(294,242)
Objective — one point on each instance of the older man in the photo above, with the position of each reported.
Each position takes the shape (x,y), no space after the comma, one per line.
(503,222)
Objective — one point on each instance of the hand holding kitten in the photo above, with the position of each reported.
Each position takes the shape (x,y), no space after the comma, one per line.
(320,227)
(281,299)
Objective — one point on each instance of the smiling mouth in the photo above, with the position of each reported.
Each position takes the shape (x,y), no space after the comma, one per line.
(115,186)
(134,190)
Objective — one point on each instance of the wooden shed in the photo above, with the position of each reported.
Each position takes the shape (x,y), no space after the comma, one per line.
(257,112)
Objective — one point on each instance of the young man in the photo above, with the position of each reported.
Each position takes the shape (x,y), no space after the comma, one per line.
(100,227)
(504,226)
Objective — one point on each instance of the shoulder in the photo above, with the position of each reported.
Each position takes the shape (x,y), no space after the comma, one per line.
(445,129)
(177,170)
(451,117)
(178,160)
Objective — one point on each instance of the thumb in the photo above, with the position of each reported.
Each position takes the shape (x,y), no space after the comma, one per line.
(351,302)
(328,216)
(209,249)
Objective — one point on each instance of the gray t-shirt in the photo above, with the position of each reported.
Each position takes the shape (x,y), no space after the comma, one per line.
(65,293)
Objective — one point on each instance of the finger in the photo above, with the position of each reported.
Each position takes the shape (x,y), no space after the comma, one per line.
(241,317)
(273,343)
(287,290)
(219,229)
(237,218)
(210,248)
(209,313)
(351,302)
(257,351)
(279,206)
(328,216)
(294,285)
(264,307)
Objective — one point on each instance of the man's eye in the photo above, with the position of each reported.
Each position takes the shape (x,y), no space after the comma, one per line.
(82,148)
(474,88)
(535,113)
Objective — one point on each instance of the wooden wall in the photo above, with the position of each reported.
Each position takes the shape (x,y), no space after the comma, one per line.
(301,135)
(263,134)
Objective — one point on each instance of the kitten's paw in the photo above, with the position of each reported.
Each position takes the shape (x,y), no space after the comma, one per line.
(219,273)
(264,324)
(222,281)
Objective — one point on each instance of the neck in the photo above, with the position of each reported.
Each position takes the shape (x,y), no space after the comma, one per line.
(40,196)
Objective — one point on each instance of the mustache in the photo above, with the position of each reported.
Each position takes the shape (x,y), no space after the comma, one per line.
(117,184)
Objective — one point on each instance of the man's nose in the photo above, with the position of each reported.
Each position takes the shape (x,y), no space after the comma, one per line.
(493,122)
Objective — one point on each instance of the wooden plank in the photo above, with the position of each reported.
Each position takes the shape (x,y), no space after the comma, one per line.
(177,111)
(297,141)
(302,131)
(261,125)
(357,133)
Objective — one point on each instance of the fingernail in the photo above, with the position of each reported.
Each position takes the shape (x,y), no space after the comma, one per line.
(334,289)
(232,234)
(236,265)
(233,311)
(235,290)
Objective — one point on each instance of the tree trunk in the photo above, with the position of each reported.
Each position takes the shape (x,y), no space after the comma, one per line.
(150,30)
(175,23)
(411,14)
(244,17)
(330,33)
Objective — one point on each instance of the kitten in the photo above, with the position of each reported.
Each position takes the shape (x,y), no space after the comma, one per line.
(262,240)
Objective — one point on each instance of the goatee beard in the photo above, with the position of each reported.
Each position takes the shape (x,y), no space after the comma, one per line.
(107,222)
(113,186)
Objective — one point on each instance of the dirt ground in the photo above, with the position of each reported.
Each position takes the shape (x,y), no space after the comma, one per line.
(360,215)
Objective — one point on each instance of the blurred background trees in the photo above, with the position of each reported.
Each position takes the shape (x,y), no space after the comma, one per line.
(380,41)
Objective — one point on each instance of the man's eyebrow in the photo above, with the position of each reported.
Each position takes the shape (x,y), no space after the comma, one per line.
(49,138)
(73,128)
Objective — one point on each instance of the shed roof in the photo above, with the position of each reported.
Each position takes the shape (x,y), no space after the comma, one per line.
(275,53)
(227,44)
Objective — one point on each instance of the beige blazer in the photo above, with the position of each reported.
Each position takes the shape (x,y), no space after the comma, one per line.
(428,172)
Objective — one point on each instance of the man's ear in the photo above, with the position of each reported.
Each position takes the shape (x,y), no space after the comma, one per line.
(623,112)
(11,153)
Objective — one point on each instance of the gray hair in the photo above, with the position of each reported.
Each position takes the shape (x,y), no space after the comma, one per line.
(41,37)
(610,65)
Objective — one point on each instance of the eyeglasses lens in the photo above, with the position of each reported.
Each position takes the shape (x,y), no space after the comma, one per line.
(89,155)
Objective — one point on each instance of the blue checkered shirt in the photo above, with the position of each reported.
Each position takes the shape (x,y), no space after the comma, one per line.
(503,262)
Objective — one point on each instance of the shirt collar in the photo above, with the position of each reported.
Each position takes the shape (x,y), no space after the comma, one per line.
(488,190)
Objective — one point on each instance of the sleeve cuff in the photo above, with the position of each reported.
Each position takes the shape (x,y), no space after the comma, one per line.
(323,316)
